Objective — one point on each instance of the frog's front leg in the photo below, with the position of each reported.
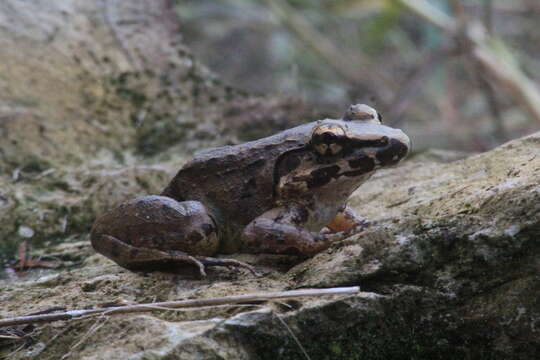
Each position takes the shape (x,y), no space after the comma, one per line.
(346,219)
(281,231)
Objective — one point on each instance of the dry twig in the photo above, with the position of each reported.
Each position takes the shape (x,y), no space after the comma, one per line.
(235,299)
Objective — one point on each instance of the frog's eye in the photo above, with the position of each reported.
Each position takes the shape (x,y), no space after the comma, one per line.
(361,112)
(327,139)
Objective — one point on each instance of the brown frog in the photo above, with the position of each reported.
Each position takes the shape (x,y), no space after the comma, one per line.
(284,194)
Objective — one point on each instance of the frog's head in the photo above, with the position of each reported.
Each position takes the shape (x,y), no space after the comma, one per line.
(359,143)
(340,155)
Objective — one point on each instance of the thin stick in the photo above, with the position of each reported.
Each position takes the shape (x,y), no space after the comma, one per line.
(235,299)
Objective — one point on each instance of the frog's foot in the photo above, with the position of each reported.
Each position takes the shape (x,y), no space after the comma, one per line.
(210,261)
(140,258)
(199,264)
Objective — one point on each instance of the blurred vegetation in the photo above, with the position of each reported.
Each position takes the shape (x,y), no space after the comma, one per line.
(428,80)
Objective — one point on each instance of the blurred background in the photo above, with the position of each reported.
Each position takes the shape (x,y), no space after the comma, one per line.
(458,75)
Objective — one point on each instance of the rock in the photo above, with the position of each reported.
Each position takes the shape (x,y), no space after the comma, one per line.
(64,204)
(449,270)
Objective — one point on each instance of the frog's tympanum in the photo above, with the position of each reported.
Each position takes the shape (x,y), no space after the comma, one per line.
(284,194)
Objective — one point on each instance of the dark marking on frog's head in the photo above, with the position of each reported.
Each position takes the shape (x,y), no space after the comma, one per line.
(322,176)
(393,153)
(363,162)
(290,163)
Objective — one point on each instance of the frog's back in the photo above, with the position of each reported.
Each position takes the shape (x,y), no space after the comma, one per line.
(236,183)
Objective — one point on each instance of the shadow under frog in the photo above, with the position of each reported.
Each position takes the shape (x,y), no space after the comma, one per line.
(283,194)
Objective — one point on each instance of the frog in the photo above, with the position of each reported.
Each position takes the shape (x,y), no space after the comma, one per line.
(283,194)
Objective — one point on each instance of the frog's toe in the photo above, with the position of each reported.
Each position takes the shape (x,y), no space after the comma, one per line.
(246,266)
(199,264)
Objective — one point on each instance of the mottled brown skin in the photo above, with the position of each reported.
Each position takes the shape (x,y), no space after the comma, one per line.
(284,194)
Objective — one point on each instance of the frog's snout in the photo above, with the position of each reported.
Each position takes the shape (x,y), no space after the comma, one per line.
(397,148)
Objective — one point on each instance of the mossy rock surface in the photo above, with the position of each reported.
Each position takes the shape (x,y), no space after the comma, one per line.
(448,270)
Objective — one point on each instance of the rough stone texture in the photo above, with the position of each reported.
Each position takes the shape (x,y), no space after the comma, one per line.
(79,77)
(449,268)
(449,271)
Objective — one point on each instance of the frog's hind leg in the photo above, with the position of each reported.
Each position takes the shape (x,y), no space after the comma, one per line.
(210,261)
(135,258)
